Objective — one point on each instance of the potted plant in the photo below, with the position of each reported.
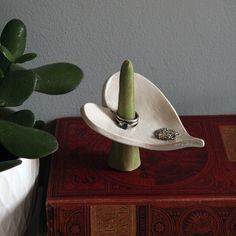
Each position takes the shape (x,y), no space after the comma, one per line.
(22,141)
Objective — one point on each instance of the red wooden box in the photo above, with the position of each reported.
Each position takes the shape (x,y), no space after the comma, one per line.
(186,192)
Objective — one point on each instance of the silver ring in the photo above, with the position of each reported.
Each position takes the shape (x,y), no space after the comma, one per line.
(126,124)
(165,134)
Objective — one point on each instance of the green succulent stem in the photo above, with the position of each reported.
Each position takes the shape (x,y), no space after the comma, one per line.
(124,157)
(4,64)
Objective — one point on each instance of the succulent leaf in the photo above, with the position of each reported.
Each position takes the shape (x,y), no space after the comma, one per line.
(4,63)
(39,124)
(23,117)
(26,57)
(1,74)
(25,141)
(14,67)
(58,78)
(13,37)
(20,134)
(5,165)
(7,53)
(16,87)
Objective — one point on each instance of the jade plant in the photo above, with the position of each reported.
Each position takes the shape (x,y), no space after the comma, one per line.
(21,135)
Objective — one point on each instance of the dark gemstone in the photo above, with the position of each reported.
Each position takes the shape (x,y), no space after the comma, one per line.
(124,126)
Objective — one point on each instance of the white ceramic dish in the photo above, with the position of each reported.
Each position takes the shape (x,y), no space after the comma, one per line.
(155,112)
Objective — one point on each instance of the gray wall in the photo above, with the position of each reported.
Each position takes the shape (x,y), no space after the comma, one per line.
(186,47)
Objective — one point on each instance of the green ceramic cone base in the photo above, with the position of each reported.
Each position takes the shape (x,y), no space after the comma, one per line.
(124,157)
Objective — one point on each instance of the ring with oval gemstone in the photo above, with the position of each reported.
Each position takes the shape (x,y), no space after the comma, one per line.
(125,123)
(165,134)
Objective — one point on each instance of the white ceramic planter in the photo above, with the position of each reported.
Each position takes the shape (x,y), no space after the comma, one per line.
(17,187)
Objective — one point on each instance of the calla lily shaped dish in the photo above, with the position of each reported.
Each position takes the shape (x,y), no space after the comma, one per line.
(155,113)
